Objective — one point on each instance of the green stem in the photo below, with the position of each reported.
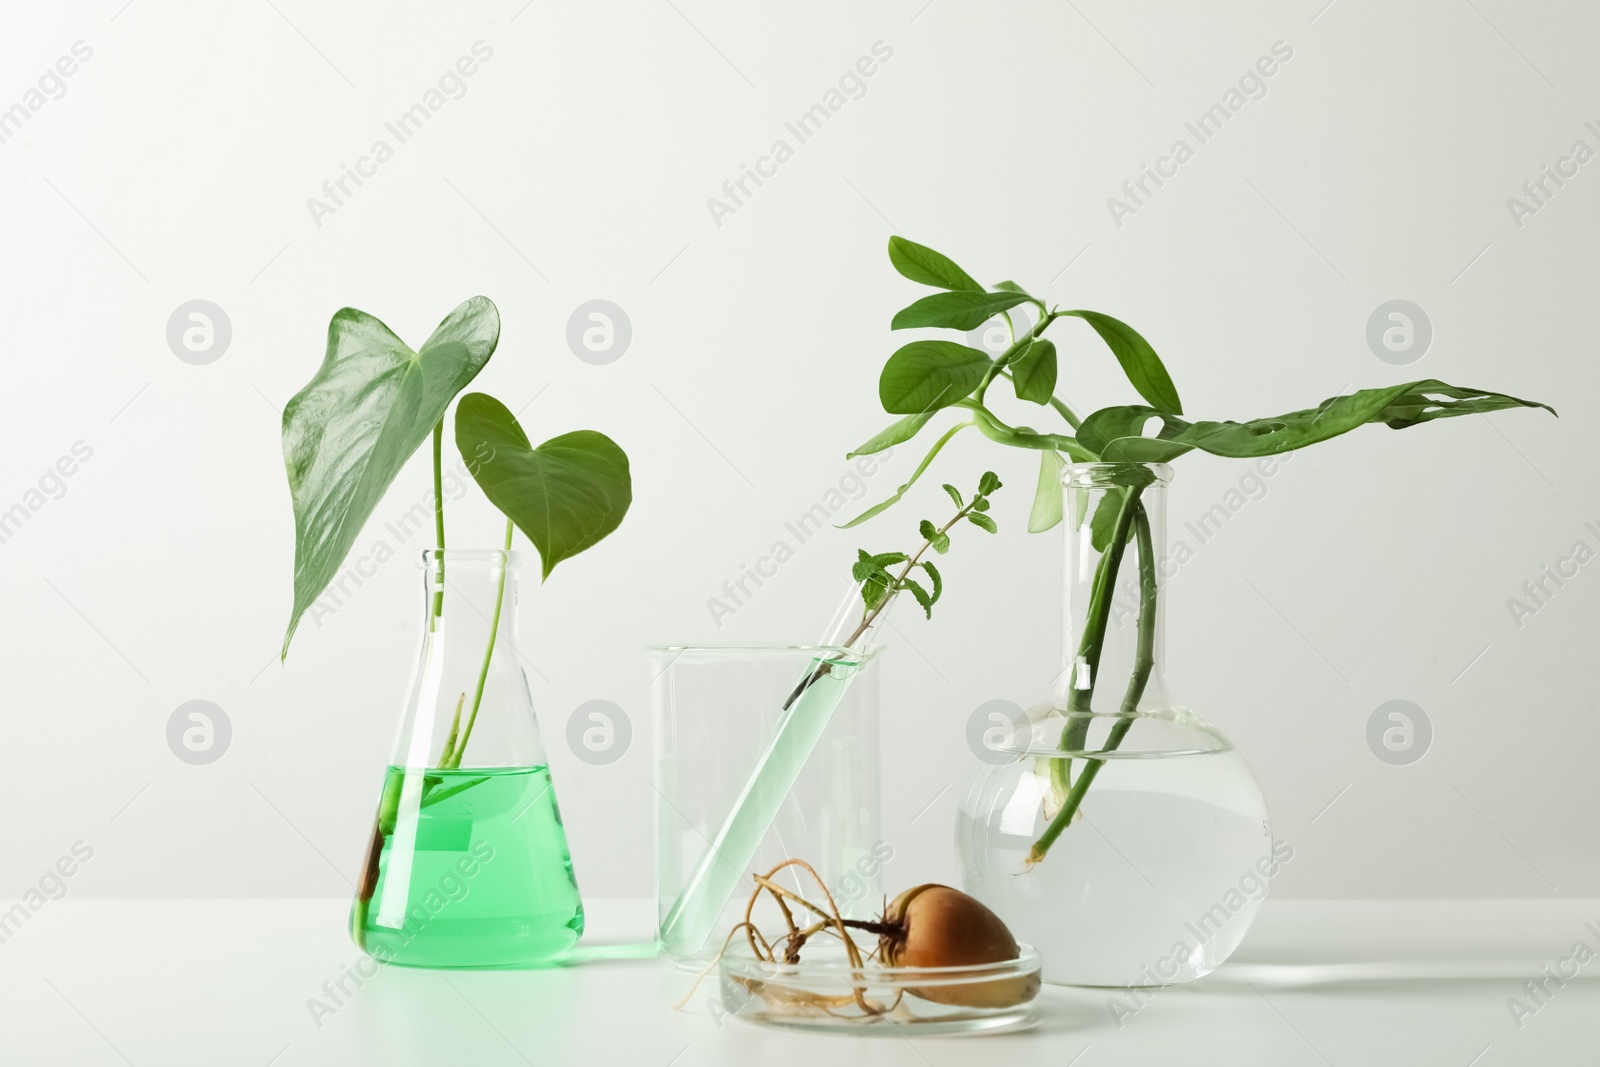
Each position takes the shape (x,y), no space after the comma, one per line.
(1143,664)
(488,653)
(996,429)
(455,728)
(1080,697)
(1066,413)
(438,518)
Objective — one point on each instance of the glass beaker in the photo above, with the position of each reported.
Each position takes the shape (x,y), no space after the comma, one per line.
(717,710)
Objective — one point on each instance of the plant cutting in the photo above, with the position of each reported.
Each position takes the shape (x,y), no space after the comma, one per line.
(1105,474)
(925,377)
(346,436)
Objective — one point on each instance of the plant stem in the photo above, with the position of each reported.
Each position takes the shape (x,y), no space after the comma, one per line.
(995,429)
(1143,664)
(455,728)
(488,654)
(1085,668)
(438,517)
(1066,413)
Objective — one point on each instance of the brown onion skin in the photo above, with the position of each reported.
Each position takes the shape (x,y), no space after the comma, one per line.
(936,926)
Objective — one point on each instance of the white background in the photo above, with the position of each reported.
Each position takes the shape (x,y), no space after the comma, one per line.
(578,165)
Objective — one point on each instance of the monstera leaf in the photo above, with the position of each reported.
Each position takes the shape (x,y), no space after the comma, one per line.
(566,495)
(350,430)
(1117,433)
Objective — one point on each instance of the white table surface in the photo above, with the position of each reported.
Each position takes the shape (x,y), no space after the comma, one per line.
(226,983)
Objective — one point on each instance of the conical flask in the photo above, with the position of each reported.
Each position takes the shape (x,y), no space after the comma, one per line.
(468,863)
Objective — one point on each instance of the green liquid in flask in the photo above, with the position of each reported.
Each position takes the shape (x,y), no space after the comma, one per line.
(468,868)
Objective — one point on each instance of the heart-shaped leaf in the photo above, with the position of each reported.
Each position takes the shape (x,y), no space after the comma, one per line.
(924,376)
(348,433)
(1139,361)
(922,264)
(566,495)
(964,310)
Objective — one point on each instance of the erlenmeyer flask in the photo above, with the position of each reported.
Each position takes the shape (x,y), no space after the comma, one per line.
(468,863)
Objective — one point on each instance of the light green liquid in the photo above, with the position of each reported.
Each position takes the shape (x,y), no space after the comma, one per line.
(725,866)
(468,868)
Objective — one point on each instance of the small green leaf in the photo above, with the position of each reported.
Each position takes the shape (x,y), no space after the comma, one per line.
(955,494)
(566,495)
(963,310)
(980,504)
(889,559)
(989,483)
(864,567)
(923,376)
(935,578)
(921,594)
(898,433)
(928,530)
(884,505)
(1139,361)
(930,533)
(874,589)
(982,521)
(1104,520)
(1033,372)
(1010,286)
(922,264)
(1047,493)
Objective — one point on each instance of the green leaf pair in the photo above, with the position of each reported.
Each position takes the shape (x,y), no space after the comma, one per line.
(372,403)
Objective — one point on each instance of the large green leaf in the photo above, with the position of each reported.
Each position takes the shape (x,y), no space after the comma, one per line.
(350,430)
(922,264)
(1139,361)
(925,376)
(566,495)
(896,433)
(1117,430)
(962,310)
